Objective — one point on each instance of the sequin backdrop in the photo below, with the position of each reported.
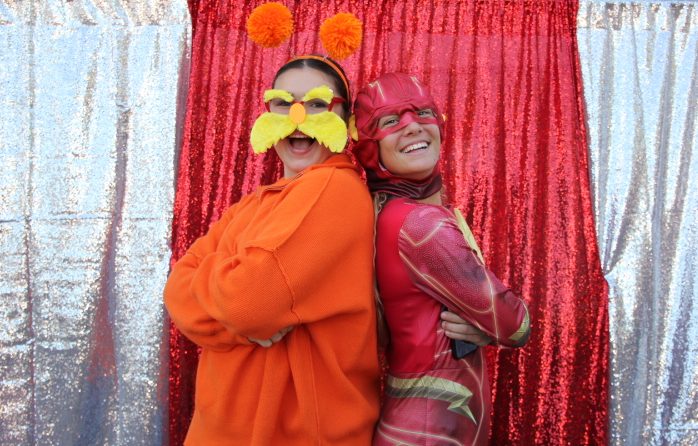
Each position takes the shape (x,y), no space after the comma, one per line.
(641,86)
(88,137)
(507,75)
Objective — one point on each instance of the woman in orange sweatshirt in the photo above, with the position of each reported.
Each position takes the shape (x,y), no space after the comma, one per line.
(297,253)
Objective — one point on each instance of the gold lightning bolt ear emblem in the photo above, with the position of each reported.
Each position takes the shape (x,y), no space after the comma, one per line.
(353,131)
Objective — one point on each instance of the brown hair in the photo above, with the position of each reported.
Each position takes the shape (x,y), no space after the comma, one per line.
(324,65)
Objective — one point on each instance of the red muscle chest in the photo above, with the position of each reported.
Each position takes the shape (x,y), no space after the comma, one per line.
(413,317)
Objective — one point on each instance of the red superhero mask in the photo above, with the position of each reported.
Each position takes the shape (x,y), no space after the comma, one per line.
(404,96)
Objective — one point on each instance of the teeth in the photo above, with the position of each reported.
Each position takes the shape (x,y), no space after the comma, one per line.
(415,146)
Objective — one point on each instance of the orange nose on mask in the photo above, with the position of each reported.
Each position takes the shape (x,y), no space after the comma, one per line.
(297,113)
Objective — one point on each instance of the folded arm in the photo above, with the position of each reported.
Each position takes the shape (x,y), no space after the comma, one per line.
(185,310)
(273,281)
(442,264)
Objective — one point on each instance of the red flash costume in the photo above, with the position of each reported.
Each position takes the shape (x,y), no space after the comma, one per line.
(424,263)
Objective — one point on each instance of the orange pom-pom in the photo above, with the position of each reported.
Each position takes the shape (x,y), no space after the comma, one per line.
(270,24)
(341,35)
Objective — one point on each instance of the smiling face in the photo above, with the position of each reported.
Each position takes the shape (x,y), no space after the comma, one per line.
(298,151)
(411,152)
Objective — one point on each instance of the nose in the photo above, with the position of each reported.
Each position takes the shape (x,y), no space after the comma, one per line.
(297,113)
(412,128)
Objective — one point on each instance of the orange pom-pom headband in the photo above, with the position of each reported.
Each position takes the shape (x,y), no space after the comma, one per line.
(270,24)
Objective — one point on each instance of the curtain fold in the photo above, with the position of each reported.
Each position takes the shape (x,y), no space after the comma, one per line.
(514,158)
(640,65)
(87,145)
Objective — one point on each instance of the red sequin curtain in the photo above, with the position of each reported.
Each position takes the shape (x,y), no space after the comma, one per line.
(506,74)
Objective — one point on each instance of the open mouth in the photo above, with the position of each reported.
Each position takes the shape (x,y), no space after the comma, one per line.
(300,142)
(415,147)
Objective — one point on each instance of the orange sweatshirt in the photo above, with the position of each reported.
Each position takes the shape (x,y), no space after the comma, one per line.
(298,252)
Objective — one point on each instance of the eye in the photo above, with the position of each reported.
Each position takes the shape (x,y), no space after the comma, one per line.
(316,105)
(279,103)
(388,121)
(426,113)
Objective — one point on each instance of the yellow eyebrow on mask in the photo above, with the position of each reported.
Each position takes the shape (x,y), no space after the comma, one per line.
(278,94)
(322,92)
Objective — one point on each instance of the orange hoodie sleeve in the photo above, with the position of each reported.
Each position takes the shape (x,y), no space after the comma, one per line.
(319,232)
(184,309)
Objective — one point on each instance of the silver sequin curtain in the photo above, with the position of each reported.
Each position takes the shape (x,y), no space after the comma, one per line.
(640,69)
(91,99)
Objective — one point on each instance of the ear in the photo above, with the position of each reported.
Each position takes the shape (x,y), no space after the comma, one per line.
(353,131)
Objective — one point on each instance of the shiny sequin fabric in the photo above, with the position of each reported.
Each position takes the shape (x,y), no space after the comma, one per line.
(88,138)
(506,74)
(100,96)
(640,70)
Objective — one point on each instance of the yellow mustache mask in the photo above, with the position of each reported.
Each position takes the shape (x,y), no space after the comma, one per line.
(326,127)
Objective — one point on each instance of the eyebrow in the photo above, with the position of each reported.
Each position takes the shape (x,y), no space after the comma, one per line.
(295,96)
(276,93)
(292,93)
(320,92)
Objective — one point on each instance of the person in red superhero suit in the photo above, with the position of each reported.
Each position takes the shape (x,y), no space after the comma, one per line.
(437,390)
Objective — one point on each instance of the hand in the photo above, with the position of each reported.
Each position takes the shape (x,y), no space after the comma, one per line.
(276,337)
(456,328)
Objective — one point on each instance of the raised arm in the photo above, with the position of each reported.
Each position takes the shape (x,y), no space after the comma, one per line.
(442,264)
